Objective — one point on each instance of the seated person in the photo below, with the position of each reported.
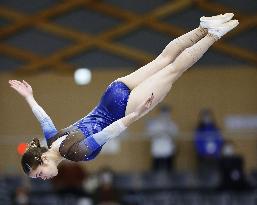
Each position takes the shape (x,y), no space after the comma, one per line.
(232,169)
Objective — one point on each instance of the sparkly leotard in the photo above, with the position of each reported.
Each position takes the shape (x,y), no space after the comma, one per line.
(112,107)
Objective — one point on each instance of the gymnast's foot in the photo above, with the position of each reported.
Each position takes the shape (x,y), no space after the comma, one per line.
(214,21)
(224,28)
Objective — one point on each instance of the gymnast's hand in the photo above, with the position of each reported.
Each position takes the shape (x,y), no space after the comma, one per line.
(23,88)
(144,106)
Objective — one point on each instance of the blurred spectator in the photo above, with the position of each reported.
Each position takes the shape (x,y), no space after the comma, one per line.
(84,201)
(21,196)
(70,179)
(232,169)
(208,141)
(162,130)
(5,195)
(106,194)
(91,184)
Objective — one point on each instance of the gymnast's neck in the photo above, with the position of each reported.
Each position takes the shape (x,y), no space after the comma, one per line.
(53,153)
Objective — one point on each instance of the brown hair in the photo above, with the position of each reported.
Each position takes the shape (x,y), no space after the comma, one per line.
(31,159)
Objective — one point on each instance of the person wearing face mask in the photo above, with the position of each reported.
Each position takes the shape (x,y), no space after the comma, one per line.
(162,130)
(208,140)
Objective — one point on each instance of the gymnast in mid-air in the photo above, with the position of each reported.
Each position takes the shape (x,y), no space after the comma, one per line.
(124,101)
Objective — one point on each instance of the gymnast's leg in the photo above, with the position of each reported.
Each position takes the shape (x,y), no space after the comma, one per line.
(161,82)
(172,50)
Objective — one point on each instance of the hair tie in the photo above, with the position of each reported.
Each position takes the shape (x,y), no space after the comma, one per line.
(37,158)
(32,144)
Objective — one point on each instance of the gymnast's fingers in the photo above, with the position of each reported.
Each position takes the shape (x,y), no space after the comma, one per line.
(12,82)
(26,84)
(15,87)
(149,102)
(150,99)
(17,83)
(152,96)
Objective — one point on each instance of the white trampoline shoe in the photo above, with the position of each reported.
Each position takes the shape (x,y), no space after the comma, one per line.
(214,21)
(224,28)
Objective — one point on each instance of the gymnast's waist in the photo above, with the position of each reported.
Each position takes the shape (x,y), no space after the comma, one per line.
(94,122)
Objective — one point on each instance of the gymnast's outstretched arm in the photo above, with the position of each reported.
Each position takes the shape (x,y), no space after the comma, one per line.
(25,90)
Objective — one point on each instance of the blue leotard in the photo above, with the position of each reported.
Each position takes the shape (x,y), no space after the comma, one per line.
(112,107)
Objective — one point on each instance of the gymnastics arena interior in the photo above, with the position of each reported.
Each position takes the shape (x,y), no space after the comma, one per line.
(71,50)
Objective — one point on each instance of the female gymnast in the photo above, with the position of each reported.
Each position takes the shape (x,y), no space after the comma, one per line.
(125,100)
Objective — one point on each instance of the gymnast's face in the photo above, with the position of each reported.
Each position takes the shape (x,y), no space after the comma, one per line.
(46,170)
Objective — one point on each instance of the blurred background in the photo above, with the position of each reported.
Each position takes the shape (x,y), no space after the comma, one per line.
(197,148)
